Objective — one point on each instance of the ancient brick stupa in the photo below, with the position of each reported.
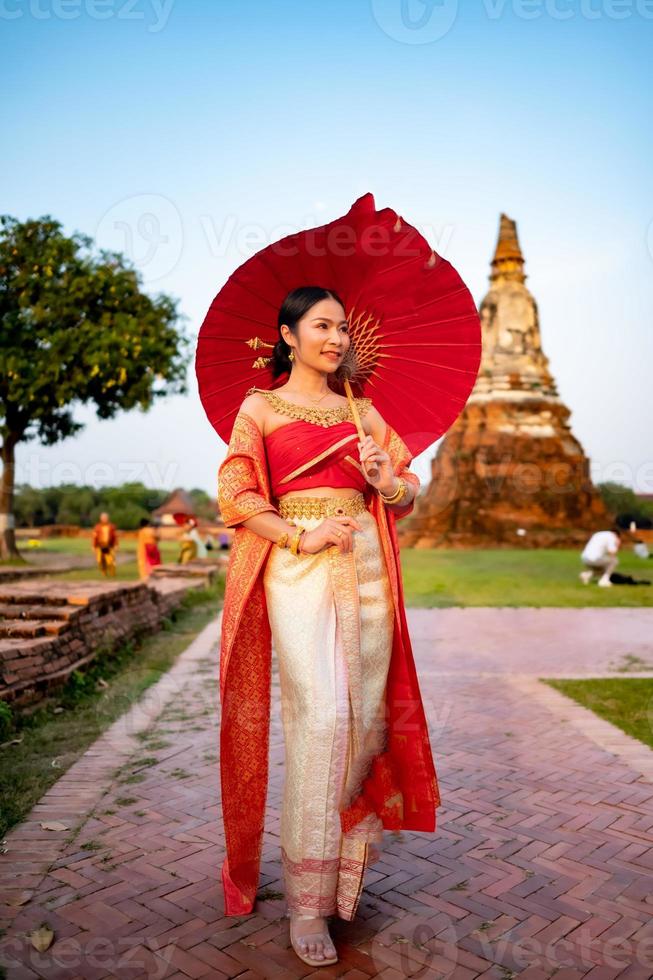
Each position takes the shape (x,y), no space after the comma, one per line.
(509,472)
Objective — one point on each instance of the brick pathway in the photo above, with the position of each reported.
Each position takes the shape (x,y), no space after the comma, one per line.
(541,864)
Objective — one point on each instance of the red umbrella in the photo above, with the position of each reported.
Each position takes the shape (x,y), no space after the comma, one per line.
(414,327)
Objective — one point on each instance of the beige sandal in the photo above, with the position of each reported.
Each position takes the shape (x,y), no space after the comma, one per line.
(300,943)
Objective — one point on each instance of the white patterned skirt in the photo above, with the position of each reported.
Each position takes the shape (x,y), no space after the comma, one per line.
(331,617)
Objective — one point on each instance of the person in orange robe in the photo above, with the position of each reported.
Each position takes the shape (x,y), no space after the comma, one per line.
(356,594)
(105,542)
(147,549)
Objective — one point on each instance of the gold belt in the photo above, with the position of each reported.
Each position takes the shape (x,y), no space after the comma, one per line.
(321,506)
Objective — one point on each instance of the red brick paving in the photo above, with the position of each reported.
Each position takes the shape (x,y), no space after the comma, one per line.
(541,864)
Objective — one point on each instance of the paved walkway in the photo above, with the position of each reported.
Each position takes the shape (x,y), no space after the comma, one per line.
(540,866)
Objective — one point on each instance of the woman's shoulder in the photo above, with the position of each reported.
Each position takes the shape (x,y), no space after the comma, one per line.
(256,405)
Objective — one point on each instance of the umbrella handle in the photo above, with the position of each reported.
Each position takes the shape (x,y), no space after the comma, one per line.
(373,470)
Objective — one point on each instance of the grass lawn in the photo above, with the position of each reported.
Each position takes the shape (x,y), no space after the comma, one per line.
(81,546)
(52,741)
(439,578)
(627,702)
(512,577)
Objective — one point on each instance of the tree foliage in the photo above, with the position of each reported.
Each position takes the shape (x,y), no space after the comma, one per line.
(75,328)
(624,503)
(70,504)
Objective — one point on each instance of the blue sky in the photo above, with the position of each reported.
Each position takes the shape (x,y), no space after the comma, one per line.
(235,123)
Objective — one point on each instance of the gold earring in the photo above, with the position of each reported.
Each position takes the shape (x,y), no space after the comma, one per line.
(291,356)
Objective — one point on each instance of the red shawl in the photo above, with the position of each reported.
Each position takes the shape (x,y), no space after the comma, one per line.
(402,786)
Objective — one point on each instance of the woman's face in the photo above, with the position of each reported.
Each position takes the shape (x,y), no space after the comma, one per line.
(322,336)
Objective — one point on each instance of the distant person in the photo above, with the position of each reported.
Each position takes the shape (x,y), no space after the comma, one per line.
(195,536)
(105,542)
(600,556)
(192,545)
(147,549)
(224,540)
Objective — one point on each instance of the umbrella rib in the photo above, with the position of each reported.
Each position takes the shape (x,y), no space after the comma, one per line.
(227,360)
(235,315)
(263,298)
(234,384)
(433,323)
(430,384)
(429,343)
(399,411)
(461,288)
(416,360)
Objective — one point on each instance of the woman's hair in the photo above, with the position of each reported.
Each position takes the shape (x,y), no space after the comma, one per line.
(296,304)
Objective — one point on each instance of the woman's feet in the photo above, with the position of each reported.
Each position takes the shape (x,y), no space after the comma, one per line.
(309,937)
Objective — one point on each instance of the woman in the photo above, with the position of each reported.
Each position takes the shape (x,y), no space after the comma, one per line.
(314,567)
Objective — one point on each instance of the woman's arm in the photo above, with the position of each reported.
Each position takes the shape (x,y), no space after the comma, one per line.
(238,486)
(269,525)
(376,426)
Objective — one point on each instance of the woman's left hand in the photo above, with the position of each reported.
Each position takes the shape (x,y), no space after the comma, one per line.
(371,455)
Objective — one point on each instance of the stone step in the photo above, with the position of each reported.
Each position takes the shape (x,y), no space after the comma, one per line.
(24,610)
(47,629)
(32,627)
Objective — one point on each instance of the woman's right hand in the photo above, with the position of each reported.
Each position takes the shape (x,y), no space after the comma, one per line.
(336,530)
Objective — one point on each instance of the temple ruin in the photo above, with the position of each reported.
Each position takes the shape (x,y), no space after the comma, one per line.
(509,472)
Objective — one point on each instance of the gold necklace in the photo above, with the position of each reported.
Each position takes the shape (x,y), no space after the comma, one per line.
(319,416)
(314,401)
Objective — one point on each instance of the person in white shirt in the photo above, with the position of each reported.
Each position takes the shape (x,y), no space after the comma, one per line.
(600,556)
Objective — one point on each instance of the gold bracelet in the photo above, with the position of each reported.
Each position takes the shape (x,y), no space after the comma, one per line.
(294,544)
(403,492)
(282,540)
(396,494)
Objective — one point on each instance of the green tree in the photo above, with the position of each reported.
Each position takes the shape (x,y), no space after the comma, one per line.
(29,506)
(75,505)
(625,504)
(75,328)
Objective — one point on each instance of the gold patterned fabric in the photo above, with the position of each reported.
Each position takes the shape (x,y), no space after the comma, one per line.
(331,616)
